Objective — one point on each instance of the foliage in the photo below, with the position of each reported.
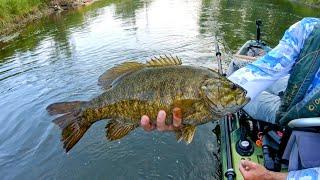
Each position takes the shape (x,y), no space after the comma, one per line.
(14,13)
(11,9)
(311,2)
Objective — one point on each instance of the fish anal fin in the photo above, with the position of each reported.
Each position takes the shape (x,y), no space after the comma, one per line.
(186,133)
(178,134)
(164,61)
(116,129)
(111,76)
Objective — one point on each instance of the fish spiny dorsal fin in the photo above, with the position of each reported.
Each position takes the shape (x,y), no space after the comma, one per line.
(164,61)
(111,76)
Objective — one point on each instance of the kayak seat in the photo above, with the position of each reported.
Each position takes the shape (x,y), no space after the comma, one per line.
(306,124)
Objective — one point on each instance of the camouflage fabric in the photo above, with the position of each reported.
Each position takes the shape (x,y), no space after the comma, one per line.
(297,54)
(303,80)
(260,74)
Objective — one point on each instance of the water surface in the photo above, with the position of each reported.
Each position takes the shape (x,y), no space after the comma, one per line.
(61,57)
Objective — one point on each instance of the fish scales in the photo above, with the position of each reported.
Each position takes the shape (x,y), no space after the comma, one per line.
(153,93)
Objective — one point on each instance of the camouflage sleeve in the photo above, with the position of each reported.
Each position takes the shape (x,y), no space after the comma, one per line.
(311,173)
(259,75)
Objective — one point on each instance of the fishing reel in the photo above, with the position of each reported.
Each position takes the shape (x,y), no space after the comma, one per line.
(244,146)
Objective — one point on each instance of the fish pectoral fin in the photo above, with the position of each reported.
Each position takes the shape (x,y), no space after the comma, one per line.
(115,74)
(186,133)
(164,61)
(116,130)
(199,117)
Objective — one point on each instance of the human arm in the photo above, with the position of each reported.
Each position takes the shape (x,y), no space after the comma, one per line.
(254,171)
(259,75)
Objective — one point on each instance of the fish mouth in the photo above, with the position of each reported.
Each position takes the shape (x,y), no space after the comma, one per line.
(247,100)
(242,99)
(243,102)
(245,92)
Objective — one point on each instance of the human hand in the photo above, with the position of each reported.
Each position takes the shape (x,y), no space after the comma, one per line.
(161,121)
(254,171)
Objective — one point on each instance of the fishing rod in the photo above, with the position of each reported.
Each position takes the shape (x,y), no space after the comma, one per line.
(226,123)
(218,55)
(258,24)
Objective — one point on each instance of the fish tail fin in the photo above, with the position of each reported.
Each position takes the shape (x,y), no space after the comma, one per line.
(73,128)
(64,107)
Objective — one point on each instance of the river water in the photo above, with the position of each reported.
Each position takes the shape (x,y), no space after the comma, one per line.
(59,58)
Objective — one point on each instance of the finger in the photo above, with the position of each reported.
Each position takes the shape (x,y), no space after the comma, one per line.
(161,120)
(248,164)
(145,123)
(242,169)
(169,128)
(177,117)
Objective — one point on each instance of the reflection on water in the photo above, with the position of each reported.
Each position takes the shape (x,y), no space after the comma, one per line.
(60,58)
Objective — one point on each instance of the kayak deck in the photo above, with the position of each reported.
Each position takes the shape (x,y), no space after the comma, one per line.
(256,156)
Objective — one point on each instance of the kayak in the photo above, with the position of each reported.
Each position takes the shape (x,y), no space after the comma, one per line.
(242,137)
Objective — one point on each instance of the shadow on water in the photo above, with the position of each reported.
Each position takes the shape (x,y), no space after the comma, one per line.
(60,57)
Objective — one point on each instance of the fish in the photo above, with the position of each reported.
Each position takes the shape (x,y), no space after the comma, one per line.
(133,89)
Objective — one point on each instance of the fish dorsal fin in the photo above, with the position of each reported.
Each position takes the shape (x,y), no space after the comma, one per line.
(116,130)
(113,75)
(108,78)
(164,61)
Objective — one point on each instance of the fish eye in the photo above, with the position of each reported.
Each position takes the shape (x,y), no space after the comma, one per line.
(233,87)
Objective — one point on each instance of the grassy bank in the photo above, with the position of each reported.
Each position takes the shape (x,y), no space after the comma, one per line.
(9,9)
(16,13)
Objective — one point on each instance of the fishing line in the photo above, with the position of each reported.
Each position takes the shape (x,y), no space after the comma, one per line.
(316,51)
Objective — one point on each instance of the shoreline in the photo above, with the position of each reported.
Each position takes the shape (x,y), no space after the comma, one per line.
(19,21)
(307,3)
(9,27)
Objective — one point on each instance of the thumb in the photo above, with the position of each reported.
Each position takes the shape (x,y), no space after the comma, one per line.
(242,168)
(247,165)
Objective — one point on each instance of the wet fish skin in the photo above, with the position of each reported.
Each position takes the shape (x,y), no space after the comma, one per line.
(136,89)
(165,88)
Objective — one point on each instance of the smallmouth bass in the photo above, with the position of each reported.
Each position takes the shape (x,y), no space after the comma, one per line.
(135,89)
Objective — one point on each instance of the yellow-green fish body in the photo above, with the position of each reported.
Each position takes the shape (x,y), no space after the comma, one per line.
(135,89)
